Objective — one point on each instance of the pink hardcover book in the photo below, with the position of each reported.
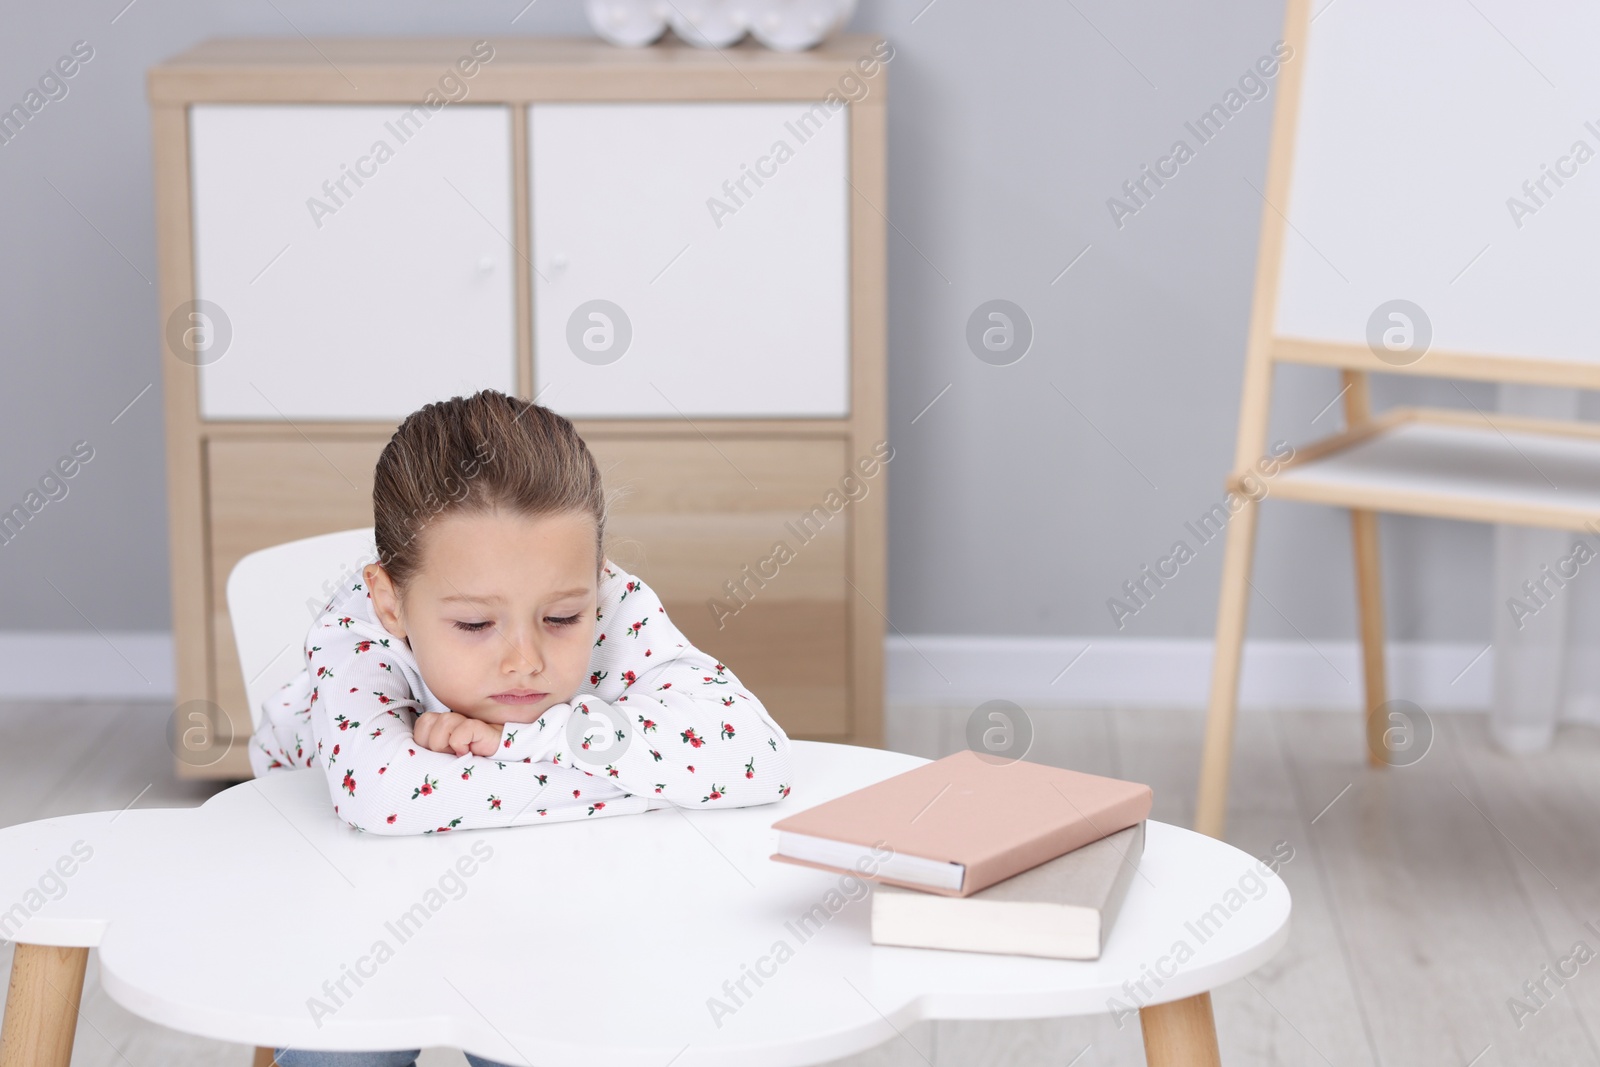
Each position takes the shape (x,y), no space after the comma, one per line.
(960,824)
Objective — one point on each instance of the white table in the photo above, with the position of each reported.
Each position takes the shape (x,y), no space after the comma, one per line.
(608,940)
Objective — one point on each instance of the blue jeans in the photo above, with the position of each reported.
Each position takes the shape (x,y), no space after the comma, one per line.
(307,1058)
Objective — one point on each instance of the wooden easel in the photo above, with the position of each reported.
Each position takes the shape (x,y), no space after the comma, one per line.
(1388,474)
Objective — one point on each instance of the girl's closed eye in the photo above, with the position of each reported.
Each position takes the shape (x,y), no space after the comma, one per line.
(474,627)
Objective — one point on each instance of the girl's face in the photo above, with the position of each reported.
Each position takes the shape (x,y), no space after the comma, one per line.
(501,605)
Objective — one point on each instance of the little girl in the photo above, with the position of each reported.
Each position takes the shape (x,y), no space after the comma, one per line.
(494,668)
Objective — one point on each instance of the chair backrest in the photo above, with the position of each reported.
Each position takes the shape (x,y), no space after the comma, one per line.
(275,594)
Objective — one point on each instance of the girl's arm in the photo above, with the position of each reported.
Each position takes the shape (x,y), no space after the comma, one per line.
(382,781)
(667,720)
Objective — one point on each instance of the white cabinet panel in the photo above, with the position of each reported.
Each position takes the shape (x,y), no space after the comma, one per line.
(358,254)
(691,258)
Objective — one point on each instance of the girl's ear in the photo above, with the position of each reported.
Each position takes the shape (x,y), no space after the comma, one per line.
(385,601)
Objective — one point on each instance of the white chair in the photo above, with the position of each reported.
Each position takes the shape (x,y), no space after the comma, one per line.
(276,593)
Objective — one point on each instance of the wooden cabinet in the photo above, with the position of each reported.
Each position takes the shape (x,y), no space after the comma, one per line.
(340,244)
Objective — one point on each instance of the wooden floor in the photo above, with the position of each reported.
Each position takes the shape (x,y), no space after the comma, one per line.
(1424,896)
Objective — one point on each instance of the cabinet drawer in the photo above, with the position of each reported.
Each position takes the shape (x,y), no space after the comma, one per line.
(699,522)
(715,237)
(353,258)
(702,524)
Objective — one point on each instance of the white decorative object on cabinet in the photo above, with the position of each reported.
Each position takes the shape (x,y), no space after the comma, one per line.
(352,244)
(717,233)
(784,25)
(792,25)
(628,23)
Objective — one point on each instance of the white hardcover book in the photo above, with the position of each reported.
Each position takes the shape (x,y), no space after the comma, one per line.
(1062,908)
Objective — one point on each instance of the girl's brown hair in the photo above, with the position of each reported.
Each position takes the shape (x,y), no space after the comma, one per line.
(471,455)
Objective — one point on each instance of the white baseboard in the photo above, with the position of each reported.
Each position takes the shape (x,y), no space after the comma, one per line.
(936,669)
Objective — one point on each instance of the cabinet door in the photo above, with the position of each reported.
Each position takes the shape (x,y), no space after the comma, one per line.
(691,259)
(354,259)
(749,561)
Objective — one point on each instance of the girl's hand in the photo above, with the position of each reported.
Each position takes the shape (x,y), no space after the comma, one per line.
(453,732)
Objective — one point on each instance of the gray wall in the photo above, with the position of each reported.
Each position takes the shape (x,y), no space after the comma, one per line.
(1019,501)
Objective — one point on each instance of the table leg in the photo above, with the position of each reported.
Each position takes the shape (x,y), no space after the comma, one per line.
(42,1006)
(264,1058)
(1180,1033)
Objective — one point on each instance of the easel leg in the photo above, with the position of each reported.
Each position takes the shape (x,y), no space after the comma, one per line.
(42,1006)
(1181,1033)
(1369,584)
(1211,810)
(1369,602)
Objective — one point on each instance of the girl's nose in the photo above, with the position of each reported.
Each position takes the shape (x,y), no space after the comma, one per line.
(524,654)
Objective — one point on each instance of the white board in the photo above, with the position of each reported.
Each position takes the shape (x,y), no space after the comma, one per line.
(1419,120)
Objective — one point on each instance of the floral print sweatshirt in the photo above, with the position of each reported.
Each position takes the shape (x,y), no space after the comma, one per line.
(658,723)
